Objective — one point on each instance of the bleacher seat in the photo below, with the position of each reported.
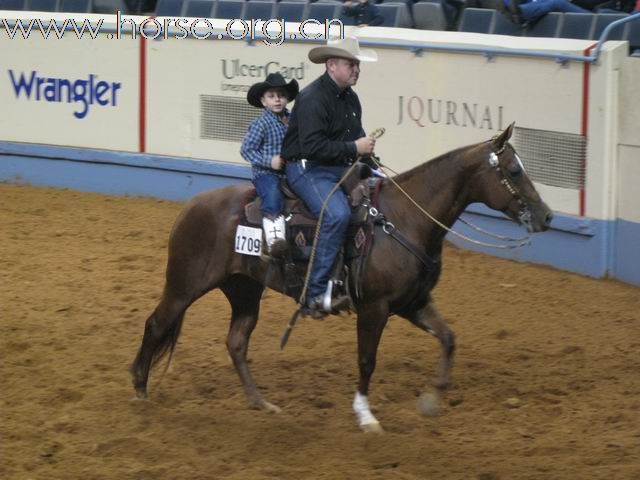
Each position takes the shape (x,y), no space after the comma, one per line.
(110,7)
(258,9)
(11,4)
(603,20)
(230,9)
(75,6)
(428,15)
(476,20)
(198,9)
(42,5)
(392,16)
(169,8)
(548,26)
(322,11)
(503,26)
(633,35)
(577,25)
(404,18)
(291,11)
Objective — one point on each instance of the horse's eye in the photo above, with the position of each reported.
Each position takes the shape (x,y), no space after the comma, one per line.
(514,168)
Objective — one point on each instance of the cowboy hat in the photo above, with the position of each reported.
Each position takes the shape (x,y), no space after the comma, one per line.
(274,80)
(347,47)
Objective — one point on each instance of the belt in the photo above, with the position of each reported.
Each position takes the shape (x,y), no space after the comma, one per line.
(347,162)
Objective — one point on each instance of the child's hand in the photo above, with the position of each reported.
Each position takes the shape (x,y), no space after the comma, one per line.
(277,162)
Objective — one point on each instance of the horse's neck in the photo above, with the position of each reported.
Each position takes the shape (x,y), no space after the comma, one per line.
(440,188)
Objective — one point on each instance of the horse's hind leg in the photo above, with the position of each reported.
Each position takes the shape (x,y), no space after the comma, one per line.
(161,332)
(244,294)
(429,319)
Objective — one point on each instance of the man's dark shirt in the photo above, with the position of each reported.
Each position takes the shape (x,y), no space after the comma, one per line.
(324,124)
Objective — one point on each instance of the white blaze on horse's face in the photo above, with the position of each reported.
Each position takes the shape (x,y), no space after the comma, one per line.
(519,162)
(493,159)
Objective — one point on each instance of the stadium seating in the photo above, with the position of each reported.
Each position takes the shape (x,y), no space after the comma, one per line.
(75,6)
(603,20)
(259,9)
(633,36)
(42,5)
(429,16)
(169,8)
(548,26)
(109,6)
(230,9)
(503,26)
(396,14)
(477,20)
(11,4)
(322,11)
(291,11)
(198,8)
(577,25)
(423,15)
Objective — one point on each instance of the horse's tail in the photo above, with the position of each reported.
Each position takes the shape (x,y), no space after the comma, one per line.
(167,342)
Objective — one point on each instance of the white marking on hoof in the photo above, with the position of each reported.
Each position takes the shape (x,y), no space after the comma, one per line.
(366,420)
(372,428)
(270,407)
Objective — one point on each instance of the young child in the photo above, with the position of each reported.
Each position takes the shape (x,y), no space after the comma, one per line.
(261,147)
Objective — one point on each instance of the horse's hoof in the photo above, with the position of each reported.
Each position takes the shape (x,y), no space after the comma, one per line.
(141,394)
(428,404)
(373,427)
(266,406)
(441,383)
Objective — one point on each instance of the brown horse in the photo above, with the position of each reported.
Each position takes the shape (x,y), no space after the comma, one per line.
(202,257)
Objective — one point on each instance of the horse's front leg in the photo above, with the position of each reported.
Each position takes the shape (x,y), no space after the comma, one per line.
(372,319)
(429,319)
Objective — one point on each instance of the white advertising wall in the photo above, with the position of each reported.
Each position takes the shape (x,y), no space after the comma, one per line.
(69,91)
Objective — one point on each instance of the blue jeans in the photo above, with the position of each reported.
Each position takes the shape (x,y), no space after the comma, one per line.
(268,188)
(313,185)
(535,9)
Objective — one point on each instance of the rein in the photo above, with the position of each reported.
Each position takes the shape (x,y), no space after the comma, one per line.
(521,242)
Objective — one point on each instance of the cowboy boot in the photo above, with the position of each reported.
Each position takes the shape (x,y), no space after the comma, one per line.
(274,233)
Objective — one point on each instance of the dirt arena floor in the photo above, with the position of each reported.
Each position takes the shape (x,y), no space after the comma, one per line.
(547,377)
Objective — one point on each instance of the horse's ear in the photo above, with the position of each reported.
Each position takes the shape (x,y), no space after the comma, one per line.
(500,140)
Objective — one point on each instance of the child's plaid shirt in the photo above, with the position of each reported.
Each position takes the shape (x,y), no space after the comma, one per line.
(263,141)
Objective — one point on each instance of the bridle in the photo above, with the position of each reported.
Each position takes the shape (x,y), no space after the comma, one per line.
(524,213)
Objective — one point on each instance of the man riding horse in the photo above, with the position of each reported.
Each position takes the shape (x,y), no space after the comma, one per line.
(324,138)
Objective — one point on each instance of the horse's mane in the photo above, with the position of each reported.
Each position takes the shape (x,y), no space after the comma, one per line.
(438,167)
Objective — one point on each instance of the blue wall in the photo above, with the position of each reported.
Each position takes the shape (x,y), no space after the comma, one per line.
(115,173)
(590,247)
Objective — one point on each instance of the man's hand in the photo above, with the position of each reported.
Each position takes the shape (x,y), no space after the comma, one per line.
(277,162)
(365,145)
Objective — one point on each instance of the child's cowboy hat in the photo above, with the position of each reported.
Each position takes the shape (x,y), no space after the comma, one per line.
(274,80)
(347,48)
